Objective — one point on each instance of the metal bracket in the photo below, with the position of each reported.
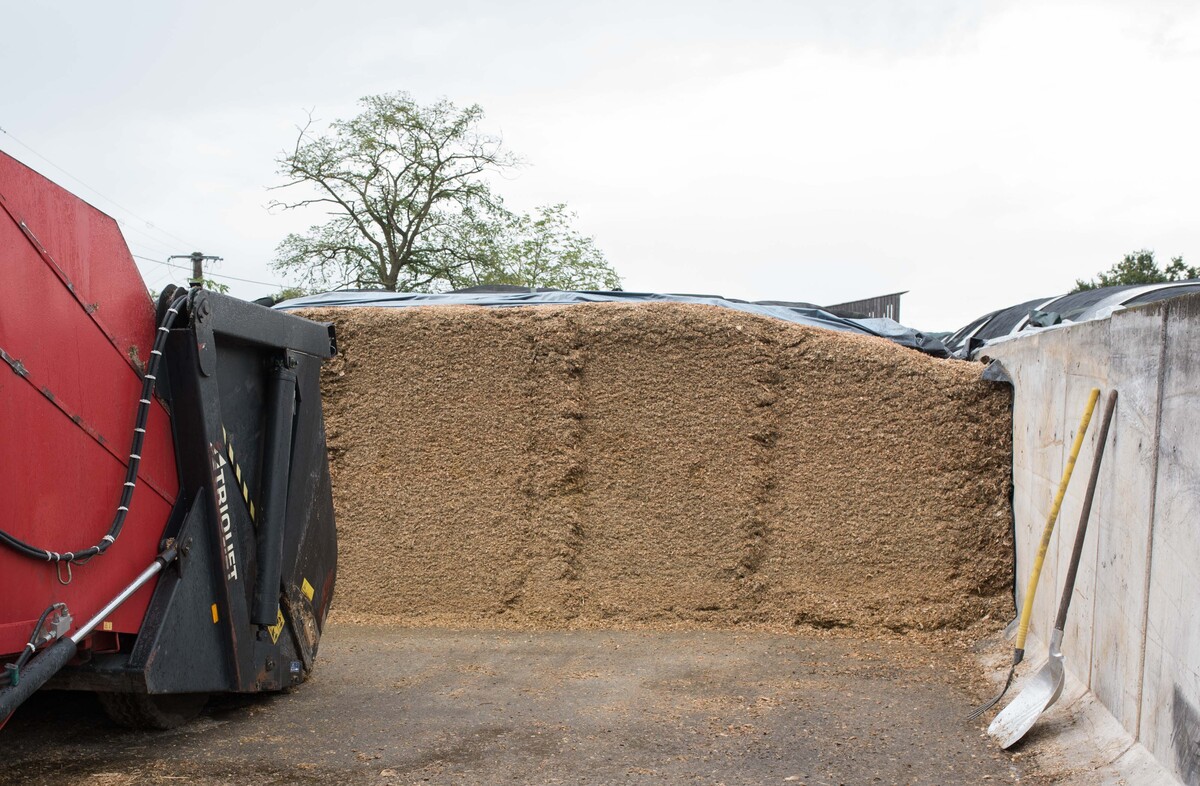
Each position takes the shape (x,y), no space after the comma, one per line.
(206,348)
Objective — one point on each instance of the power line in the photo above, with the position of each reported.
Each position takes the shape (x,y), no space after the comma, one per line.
(148,239)
(137,245)
(138,251)
(214,275)
(96,192)
(152,240)
(156,278)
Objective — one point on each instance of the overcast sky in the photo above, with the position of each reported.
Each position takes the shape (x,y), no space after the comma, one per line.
(975,154)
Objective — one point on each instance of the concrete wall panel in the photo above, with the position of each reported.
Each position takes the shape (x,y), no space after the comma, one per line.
(1077,641)
(1040,431)
(1051,393)
(1171,694)
(1087,367)
(1122,526)
(1133,635)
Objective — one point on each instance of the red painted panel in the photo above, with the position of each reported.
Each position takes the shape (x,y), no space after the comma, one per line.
(63,475)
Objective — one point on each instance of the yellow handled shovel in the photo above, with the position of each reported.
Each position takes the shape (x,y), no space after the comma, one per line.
(1045,687)
(1047,532)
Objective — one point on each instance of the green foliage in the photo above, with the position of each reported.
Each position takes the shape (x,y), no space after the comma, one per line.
(404,187)
(214,286)
(207,283)
(287,293)
(1139,267)
(410,208)
(545,250)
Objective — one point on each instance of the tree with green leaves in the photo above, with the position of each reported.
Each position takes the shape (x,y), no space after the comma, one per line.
(545,250)
(288,293)
(410,207)
(1139,268)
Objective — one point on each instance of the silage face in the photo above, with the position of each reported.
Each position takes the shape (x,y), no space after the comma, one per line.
(660,465)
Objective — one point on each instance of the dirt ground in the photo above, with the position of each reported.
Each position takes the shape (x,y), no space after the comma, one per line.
(622,544)
(660,466)
(405,706)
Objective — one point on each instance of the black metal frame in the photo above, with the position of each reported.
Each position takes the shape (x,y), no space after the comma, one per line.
(243,607)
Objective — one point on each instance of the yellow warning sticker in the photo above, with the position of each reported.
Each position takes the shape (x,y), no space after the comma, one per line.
(277,628)
(237,471)
(107,625)
(214,611)
(307,589)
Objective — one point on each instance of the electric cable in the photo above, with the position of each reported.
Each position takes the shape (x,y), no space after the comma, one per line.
(208,273)
(135,459)
(149,224)
(14,669)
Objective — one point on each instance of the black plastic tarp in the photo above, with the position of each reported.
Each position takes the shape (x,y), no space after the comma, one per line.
(993,325)
(803,314)
(1073,307)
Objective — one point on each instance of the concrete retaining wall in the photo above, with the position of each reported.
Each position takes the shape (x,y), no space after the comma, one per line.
(1133,634)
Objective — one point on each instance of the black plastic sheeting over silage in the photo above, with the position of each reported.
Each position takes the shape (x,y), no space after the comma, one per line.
(993,325)
(800,313)
(1064,309)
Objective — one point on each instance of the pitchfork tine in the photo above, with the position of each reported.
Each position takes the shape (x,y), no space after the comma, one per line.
(987,705)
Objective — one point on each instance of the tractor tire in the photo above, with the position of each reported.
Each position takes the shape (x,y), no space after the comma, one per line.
(152,711)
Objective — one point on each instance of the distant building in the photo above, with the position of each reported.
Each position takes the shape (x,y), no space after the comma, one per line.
(881,307)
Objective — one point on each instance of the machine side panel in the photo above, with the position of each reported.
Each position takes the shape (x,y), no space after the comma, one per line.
(310,556)
(87,246)
(183,647)
(68,395)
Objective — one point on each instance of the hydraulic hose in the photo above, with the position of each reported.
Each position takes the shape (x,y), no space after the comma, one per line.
(32,644)
(135,458)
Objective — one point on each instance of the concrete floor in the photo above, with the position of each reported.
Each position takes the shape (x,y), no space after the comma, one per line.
(400,706)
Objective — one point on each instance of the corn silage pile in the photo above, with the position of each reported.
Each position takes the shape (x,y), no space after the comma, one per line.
(659,465)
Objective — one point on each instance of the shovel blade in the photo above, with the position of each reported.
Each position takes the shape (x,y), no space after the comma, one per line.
(1042,690)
